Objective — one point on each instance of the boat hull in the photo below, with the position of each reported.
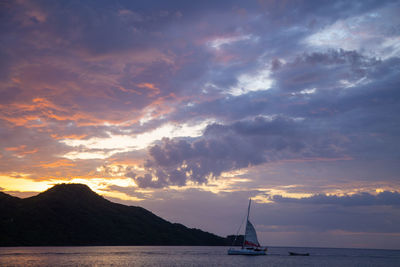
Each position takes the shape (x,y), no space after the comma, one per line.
(250,252)
(298,254)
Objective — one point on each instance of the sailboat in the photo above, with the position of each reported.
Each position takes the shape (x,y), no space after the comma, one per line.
(250,244)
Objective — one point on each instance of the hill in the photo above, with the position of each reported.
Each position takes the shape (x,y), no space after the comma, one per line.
(72,214)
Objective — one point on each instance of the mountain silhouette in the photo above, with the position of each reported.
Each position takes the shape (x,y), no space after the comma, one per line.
(72,214)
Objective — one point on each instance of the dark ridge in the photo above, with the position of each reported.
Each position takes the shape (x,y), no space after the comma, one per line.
(70,192)
(4,197)
(72,214)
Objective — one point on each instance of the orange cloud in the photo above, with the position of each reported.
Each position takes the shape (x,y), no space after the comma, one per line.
(58,163)
(27,121)
(15,148)
(70,136)
(40,110)
(123,89)
(20,150)
(153,89)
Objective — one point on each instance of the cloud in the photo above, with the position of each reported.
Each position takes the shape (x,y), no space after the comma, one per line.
(127,190)
(231,147)
(366,32)
(322,71)
(385,198)
(359,214)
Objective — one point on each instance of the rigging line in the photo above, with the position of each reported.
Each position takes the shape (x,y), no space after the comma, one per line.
(237,233)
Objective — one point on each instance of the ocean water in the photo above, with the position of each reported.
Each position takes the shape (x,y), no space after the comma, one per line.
(191,256)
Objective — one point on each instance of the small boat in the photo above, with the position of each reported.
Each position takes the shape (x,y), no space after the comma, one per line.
(250,242)
(298,254)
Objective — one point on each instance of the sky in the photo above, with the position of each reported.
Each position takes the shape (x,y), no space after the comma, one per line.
(190,108)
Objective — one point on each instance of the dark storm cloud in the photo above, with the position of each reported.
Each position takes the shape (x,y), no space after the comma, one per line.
(358,213)
(356,219)
(385,198)
(362,212)
(230,147)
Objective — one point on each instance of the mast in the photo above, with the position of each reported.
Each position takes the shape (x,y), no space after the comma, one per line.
(247,220)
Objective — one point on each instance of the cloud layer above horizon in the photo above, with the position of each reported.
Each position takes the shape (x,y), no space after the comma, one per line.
(290,103)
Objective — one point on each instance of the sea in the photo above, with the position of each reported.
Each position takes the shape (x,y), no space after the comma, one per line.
(192,256)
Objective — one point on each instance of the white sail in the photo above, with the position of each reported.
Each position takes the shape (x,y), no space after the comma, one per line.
(251,236)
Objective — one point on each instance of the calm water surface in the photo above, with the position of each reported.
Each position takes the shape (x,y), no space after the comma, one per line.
(191,256)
